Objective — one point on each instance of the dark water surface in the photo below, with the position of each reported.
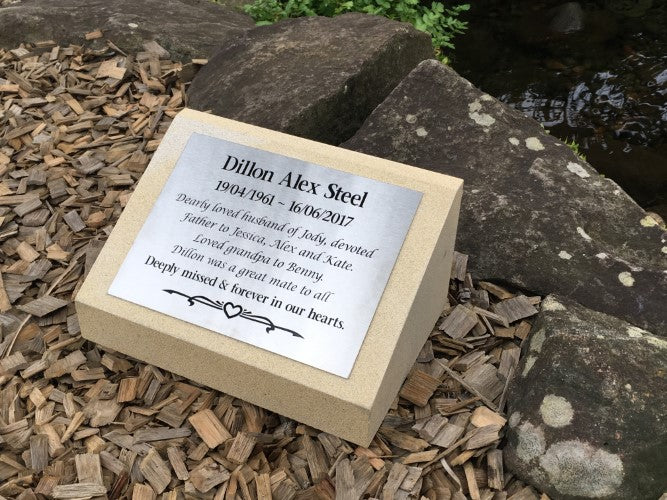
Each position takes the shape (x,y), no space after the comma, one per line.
(595,72)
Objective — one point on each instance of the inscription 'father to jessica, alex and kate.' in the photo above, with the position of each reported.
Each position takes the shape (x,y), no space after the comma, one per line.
(297,231)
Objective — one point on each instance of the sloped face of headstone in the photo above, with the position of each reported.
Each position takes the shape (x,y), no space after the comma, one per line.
(314,77)
(187,29)
(534,214)
(298,276)
(587,405)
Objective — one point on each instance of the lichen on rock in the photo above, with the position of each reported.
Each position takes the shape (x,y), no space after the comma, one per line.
(531,442)
(556,411)
(581,470)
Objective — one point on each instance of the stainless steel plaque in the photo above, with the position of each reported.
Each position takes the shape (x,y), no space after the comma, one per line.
(283,254)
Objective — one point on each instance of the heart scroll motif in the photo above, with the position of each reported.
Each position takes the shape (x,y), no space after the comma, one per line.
(232,310)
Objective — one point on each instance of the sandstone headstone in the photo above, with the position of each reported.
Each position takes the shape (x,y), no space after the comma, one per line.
(313,77)
(587,407)
(186,28)
(266,266)
(533,214)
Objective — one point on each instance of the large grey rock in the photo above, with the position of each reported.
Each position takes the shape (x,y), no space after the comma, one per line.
(314,77)
(186,28)
(587,407)
(532,214)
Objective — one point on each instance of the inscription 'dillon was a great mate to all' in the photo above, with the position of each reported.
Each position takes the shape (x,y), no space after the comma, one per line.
(286,255)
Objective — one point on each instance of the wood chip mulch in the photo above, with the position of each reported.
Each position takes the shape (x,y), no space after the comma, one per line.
(77,129)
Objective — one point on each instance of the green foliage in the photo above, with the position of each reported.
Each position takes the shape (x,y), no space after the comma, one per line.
(440,22)
(575,148)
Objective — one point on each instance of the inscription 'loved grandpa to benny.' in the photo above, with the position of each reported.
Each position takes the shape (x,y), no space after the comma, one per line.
(332,191)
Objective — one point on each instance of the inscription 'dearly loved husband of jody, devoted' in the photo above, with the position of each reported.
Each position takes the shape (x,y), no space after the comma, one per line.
(276,252)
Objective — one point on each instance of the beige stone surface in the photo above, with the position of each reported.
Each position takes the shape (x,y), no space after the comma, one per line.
(415,294)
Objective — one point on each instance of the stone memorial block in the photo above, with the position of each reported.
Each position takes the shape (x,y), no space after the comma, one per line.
(298,276)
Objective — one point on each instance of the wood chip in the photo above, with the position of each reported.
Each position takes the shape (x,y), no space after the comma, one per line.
(522,330)
(127,389)
(484,436)
(78,490)
(483,416)
(109,69)
(473,488)
(516,308)
(242,447)
(494,473)
(89,468)
(459,266)
(496,290)
(403,441)
(315,457)
(428,430)
(74,221)
(206,478)
(93,35)
(483,379)
(176,459)
(39,452)
(448,435)
(27,252)
(509,360)
(459,322)
(420,456)
(345,481)
(209,428)
(43,306)
(263,486)
(143,492)
(419,387)
(156,471)
(27,206)
(396,476)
